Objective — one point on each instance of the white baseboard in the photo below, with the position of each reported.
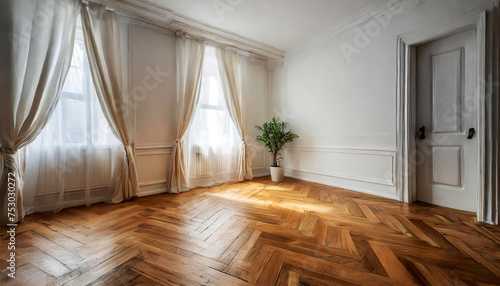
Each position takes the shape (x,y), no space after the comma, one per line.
(345,183)
(158,187)
(152,192)
(70,204)
(261,173)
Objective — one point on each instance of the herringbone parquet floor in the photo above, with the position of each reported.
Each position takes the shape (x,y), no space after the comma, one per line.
(256,233)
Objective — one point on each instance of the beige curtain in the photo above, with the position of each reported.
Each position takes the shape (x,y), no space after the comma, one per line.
(231,68)
(36,45)
(189,60)
(106,51)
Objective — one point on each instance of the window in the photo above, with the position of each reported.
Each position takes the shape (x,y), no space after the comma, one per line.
(76,151)
(212,126)
(78,119)
(212,135)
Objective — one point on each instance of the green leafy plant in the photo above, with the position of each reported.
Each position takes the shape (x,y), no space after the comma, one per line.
(274,135)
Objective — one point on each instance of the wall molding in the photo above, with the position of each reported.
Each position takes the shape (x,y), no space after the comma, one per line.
(153,146)
(153,187)
(298,176)
(153,150)
(456,23)
(203,30)
(97,194)
(347,177)
(154,182)
(71,191)
(152,14)
(366,152)
(143,9)
(357,20)
(333,149)
(260,172)
(377,141)
(149,26)
(68,204)
(152,192)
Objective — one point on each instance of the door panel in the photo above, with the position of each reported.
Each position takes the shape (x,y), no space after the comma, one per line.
(447,91)
(446,167)
(447,108)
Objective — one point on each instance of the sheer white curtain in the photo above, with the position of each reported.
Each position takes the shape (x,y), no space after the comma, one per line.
(212,140)
(189,60)
(36,40)
(75,156)
(108,58)
(231,69)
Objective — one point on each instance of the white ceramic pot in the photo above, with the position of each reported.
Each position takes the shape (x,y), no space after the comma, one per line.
(277,174)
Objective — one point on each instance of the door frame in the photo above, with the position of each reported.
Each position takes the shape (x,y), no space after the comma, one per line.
(481,21)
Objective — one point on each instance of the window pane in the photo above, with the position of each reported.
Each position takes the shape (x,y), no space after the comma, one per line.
(74,114)
(213,128)
(215,92)
(211,88)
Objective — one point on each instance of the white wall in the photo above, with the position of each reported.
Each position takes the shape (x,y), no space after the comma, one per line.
(154,49)
(255,96)
(344,107)
(153,73)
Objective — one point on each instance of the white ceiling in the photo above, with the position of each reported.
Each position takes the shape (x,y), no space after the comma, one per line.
(283,24)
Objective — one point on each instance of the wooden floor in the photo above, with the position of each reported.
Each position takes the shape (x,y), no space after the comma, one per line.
(256,233)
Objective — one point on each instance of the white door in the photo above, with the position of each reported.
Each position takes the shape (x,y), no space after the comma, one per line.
(447,148)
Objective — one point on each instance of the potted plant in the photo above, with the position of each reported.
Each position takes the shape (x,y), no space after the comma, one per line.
(274,136)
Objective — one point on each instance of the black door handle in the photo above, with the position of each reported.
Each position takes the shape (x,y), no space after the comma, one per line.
(422,133)
(472,131)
